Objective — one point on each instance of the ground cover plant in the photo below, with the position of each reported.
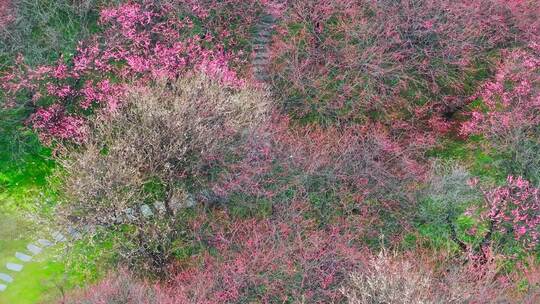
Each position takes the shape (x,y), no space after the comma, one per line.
(387,155)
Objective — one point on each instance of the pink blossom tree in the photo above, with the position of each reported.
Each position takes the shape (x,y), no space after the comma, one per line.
(141,42)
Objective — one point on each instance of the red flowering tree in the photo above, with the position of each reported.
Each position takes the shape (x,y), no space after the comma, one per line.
(348,60)
(140,42)
(514,211)
(505,111)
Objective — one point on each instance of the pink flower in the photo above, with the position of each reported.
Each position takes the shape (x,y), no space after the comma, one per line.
(521,231)
(472,182)
(428,24)
(61,71)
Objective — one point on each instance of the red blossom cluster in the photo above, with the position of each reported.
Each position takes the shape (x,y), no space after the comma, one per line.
(272,261)
(515,210)
(337,60)
(261,260)
(512,99)
(367,161)
(6,15)
(141,42)
(59,124)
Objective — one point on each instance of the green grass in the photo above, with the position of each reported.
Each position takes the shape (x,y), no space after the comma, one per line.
(25,193)
(38,281)
(472,154)
(24,166)
(34,282)
(46,29)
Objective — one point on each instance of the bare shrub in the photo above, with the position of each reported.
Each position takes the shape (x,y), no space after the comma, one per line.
(389,279)
(421,276)
(164,134)
(165,140)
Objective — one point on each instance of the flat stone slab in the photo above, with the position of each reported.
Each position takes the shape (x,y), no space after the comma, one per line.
(146,211)
(268,19)
(6,277)
(23,257)
(14,267)
(260,62)
(265,33)
(262,39)
(33,249)
(45,243)
(160,207)
(74,233)
(2,287)
(130,214)
(58,237)
(263,58)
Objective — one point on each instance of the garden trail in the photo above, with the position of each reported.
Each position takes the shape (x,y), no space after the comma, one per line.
(261,53)
(34,249)
(261,41)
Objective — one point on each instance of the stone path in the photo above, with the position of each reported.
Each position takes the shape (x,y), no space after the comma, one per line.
(261,51)
(22,257)
(56,237)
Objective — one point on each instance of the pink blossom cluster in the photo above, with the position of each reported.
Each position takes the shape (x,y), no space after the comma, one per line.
(140,42)
(55,123)
(6,13)
(515,209)
(362,161)
(346,58)
(512,99)
(288,257)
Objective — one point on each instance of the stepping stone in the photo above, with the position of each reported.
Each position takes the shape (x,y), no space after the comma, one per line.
(260,62)
(33,249)
(264,25)
(160,207)
(58,237)
(23,257)
(262,39)
(265,33)
(6,277)
(146,211)
(14,267)
(130,214)
(262,56)
(2,287)
(44,242)
(189,202)
(268,19)
(74,233)
(116,219)
(262,50)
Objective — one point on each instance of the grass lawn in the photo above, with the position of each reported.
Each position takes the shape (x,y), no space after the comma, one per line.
(24,168)
(36,281)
